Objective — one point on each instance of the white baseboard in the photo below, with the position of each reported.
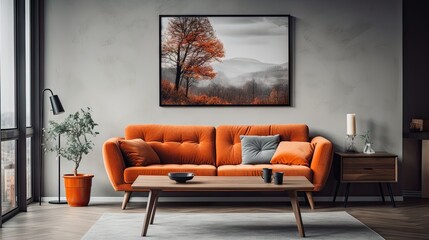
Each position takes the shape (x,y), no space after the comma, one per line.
(364,199)
(231,199)
(413,194)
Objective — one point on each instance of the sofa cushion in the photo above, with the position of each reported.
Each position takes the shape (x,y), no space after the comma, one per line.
(255,170)
(228,144)
(138,153)
(131,173)
(177,144)
(293,153)
(258,149)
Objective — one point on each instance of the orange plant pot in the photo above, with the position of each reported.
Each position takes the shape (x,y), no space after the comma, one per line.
(78,189)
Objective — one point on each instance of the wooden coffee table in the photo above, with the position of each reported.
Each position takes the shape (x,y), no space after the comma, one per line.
(156,184)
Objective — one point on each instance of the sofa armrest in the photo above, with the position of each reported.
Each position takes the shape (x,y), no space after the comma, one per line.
(114,163)
(321,162)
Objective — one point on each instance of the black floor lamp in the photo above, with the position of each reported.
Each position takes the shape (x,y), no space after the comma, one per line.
(57,108)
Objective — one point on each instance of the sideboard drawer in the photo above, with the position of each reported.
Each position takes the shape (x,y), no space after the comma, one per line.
(369,169)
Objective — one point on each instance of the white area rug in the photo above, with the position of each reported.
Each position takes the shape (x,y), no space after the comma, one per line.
(321,225)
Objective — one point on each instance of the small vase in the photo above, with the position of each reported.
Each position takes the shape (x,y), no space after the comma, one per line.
(368,149)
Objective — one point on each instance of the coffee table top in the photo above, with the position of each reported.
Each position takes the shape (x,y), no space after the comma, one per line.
(222,183)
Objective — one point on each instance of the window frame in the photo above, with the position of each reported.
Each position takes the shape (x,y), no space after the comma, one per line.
(22,132)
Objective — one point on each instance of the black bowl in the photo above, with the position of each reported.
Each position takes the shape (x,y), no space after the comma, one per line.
(181,177)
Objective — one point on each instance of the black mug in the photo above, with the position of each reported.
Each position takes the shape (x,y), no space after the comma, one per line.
(266,174)
(278,178)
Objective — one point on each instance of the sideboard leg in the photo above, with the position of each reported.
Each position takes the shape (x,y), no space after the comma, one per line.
(392,199)
(336,191)
(346,197)
(381,192)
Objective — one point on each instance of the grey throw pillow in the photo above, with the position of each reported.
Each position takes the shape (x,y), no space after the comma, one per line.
(258,149)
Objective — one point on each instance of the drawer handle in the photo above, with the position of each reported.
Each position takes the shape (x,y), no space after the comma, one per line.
(368,168)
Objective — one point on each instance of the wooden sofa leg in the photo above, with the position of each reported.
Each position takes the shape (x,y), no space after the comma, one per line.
(126,199)
(310,199)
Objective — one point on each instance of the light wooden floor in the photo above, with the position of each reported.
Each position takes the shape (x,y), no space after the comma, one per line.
(410,220)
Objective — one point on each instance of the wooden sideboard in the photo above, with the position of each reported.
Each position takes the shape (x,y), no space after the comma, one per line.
(365,168)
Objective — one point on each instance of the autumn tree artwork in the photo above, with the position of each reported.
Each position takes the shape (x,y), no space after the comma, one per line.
(224,60)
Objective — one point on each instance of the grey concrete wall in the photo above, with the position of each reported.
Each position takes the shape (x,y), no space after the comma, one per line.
(347,58)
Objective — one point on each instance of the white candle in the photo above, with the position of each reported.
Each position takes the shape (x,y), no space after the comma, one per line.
(351,124)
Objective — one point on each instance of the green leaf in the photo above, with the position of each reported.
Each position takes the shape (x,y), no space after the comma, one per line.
(75,131)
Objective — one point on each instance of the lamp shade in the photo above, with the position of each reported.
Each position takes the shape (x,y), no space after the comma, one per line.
(57,107)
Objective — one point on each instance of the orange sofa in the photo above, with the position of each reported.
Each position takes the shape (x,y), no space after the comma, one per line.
(210,151)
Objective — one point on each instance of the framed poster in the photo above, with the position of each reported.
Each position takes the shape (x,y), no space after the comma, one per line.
(225,60)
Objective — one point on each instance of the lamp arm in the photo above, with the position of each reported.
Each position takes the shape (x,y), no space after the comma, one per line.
(47,89)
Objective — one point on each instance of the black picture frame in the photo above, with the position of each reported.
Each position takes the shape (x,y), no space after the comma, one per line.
(225,60)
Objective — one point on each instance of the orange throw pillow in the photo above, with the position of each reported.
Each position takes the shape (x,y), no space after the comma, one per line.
(293,153)
(138,153)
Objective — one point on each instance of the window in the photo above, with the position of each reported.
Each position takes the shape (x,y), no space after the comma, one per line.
(8,173)
(7,70)
(17,84)
(8,104)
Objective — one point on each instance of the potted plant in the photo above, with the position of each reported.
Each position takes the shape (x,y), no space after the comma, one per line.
(77,129)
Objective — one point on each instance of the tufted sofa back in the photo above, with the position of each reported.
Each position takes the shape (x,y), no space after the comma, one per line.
(177,144)
(228,144)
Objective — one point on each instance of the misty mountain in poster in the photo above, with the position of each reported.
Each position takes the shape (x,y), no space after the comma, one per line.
(220,60)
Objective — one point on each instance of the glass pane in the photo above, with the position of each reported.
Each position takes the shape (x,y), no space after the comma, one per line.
(29,169)
(27,64)
(7,64)
(8,173)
